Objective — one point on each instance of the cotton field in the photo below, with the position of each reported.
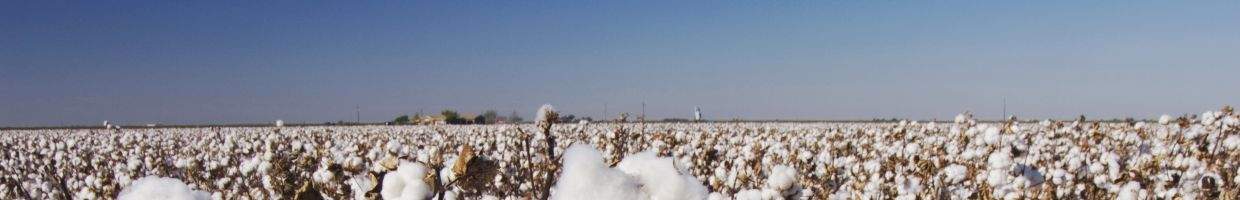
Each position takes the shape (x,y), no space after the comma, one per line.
(1175,157)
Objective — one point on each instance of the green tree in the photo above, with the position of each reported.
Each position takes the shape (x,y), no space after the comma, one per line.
(451,117)
(490,115)
(403,119)
(480,119)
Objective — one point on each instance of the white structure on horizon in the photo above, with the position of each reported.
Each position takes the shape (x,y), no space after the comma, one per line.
(279,123)
(697,113)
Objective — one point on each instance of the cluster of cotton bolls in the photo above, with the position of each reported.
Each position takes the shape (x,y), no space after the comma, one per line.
(1185,157)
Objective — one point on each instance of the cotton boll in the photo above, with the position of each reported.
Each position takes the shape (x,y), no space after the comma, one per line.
(749,195)
(1130,191)
(1208,118)
(152,187)
(322,175)
(1237,178)
(999,159)
(996,177)
(1231,121)
(546,114)
(908,187)
(84,193)
(782,179)
(659,177)
(1232,142)
(585,176)
(447,195)
(1164,119)
(991,135)
(360,184)
(250,165)
(955,173)
(406,183)
(912,148)
(1095,168)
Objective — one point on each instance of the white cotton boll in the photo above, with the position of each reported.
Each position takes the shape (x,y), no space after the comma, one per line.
(249,165)
(1164,119)
(322,175)
(991,135)
(1095,168)
(782,179)
(955,173)
(1130,191)
(771,194)
(908,187)
(585,176)
(360,184)
(1237,178)
(996,177)
(749,195)
(1193,133)
(222,182)
(152,187)
(1000,159)
(1208,118)
(660,178)
(960,118)
(544,113)
(912,148)
(1231,121)
(1232,142)
(406,183)
(1112,162)
(264,167)
(84,193)
(123,179)
(446,174)
(353,162)
(447,195)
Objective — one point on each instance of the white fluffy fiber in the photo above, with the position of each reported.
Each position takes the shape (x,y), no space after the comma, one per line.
(1131,191)
(955,173)
(322,175)
(660,178)
(782,179)
(544,113)
(585,176)
(153,187)
(406,183)
(1232,142)
(639,176)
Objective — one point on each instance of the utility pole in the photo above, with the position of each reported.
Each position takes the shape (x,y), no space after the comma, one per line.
(358,109)
(1005,115)
(604,116)
(643,111)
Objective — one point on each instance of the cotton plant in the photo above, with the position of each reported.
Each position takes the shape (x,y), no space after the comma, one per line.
(1174,156)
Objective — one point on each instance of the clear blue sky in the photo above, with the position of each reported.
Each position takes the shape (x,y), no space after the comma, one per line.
(65,63)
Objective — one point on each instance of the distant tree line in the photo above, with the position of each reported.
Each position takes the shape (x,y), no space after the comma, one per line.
(449,116)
